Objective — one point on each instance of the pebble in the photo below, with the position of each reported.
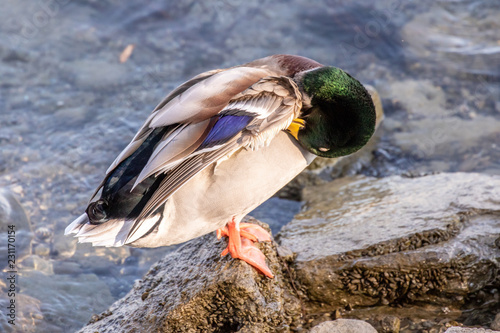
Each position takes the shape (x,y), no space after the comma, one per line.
(343,326)
(390,324)
(42,250)
(43,233)
(495,325)
(468,330)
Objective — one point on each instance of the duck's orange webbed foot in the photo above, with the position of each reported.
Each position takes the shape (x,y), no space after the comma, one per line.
(240,244)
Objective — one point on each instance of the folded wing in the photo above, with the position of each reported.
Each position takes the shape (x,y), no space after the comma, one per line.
(250,120)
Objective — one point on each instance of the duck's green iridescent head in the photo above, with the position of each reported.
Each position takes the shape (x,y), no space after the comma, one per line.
(341,119)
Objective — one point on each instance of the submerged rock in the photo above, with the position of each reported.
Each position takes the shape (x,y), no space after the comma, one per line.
(424,129)
(14,219)
(441,37)
(194,289)
(365,242)
(41,298)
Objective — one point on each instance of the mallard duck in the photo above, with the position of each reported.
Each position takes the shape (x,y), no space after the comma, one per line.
(221,144)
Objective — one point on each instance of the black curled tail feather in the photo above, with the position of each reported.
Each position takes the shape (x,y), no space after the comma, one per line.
(97,211)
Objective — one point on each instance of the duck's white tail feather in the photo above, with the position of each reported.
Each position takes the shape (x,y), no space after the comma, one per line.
(76,225)
(145,226)
(110,233)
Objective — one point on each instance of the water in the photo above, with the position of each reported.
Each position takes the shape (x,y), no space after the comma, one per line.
(68,107)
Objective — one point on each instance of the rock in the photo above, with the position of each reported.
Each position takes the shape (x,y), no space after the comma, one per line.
(468,330)
(43,233)
(97,73)
(433,128)
(42,250)
(427,240)
(433,137)
(73,296)
(424,128)
(343,326)
(49,304)
(37,263)
(495,325)
(390,324)
(28,317)
(13,214)
(422,98)
(440,37)
(362,242)
(195,289)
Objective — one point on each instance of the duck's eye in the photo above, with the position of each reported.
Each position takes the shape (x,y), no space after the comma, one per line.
(324,149)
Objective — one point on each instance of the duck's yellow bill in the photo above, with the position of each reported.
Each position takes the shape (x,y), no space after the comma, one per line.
(295,126)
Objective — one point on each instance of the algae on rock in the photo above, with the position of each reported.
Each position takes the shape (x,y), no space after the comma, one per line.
(366,242)
(195,289)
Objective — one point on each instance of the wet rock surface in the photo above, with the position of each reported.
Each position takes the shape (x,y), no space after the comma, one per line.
(194,289)
(373,242)
(396,252)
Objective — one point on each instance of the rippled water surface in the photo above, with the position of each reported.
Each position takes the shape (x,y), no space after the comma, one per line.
(68,106)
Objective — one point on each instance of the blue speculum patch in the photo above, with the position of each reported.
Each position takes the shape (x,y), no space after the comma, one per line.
(224,129)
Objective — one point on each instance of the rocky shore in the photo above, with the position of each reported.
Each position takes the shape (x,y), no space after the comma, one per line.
(401,254)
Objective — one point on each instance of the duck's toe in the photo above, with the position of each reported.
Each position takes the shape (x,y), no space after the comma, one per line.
(250,231)
(254,257)
(241,237)
(254,232)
